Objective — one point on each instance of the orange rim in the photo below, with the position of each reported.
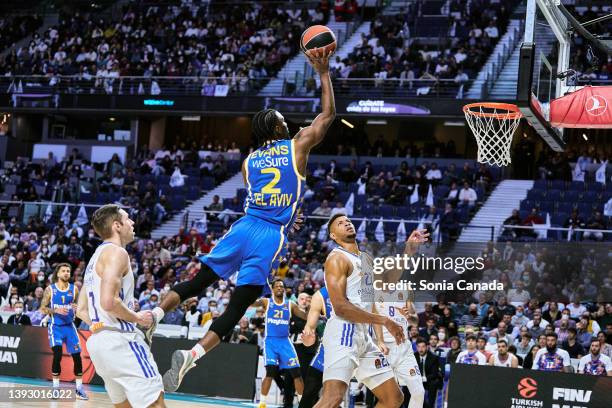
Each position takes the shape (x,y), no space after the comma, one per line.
(511,111)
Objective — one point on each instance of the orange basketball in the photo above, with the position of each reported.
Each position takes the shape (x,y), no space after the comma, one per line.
(318,36)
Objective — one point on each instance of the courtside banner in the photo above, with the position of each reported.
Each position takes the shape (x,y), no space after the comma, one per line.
(25,352)
(589,107)
(499,387)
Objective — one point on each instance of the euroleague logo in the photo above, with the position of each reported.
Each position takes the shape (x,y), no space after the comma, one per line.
(596,105)
(527,387)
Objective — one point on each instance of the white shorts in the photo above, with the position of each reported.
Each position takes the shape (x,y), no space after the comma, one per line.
(126,365)
(350,351)
(401,357)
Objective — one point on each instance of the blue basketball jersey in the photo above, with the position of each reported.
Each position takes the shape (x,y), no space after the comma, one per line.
(64,300)
(277,319)
(326,302)
(275,187)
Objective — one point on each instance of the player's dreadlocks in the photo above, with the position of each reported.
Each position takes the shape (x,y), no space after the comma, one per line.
(264,123)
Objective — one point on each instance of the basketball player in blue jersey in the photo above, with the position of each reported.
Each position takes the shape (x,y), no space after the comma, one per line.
(279,352)
(274,176)
(319,306)
(59,303)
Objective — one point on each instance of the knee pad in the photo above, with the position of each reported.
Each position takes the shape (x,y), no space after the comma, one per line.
(295,372)
(241,299)
(271,371)
(56,366)
(78,364)
(203,279)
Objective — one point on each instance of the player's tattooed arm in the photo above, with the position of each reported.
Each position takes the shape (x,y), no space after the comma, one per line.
(44,304)
(82,310)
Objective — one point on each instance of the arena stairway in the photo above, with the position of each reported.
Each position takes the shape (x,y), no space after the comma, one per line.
(293,70)
(226,189)
(504,43)
(49,20)
(505,85)
(506,197)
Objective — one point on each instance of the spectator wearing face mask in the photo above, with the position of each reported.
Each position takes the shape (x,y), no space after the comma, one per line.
(192,314)
(151,303)
(19,318)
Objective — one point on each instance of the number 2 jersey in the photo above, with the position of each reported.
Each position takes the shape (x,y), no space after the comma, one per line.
(275,186)
(92,284)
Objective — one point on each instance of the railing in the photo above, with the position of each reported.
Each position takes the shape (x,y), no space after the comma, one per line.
(501,59)
(49,86)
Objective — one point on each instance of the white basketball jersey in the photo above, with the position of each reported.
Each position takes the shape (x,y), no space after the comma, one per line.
(392,311)
(92,284)
(359,289)
(498,363)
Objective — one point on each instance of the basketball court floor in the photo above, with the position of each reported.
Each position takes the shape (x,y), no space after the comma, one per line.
(99,398)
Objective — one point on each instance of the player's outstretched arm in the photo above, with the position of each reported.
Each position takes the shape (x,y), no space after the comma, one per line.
(337,268)
(261,302)
(114,263)
(312,135)
(316,310)
(82,310)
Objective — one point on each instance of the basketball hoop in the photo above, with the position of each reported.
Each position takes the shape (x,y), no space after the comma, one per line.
(493,125)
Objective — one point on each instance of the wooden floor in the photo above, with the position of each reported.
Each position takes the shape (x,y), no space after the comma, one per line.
(99,398)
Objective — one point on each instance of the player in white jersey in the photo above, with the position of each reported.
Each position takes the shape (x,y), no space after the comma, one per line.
(471,355)
(502,358)
(349,349)
(595,363)
(117,348)
(400,356)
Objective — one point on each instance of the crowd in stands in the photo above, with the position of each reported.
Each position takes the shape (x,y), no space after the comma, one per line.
(390,50)
(153,185)
(569,191)
(231,44)
(14,28)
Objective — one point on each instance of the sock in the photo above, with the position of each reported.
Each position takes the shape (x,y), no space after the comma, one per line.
(263,398)
(79,383)
(197,351)
(159,313)
(56,382)
(299,397)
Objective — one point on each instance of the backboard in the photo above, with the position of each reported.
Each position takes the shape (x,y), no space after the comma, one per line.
(544,58)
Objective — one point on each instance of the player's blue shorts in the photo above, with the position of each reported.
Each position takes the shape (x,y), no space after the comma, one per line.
(252,246)
(278,351)
(65,333)
(318,360)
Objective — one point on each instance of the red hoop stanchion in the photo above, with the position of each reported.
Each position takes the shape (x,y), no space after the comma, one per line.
(493,125)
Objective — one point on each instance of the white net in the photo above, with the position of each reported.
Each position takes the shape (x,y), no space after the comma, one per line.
(493,126)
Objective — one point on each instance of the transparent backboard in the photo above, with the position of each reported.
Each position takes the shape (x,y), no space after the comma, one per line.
(544,55)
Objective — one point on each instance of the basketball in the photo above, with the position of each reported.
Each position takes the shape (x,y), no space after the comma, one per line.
(318,36)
